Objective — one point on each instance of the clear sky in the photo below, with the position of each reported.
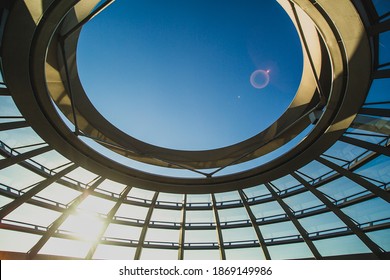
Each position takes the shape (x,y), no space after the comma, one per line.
(177,73)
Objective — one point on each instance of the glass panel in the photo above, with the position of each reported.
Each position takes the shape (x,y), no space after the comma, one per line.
(329,221)
(158,254)
(109,252)
(59,193)
(341,246)
(4,200)
(384,44)
(18,177)
(123,232)
(373,125)
(199,198)
(200,236)
(8,107)
(163,215)
(96,205)
(15,241)
(170,197)
(343,189)
(256,191)
(201,255)
(239,234)
(284,229)
(382,6)
(66,248)
(20,137)
(162,235)
(372,210)
(81,175)
(142,194)
(285,182)
(83,226)
(111,186)
(290,251)
(51,160)
(315,170)
(132,212)
(303,201)
(233,214)
(377,169)
(381,237)
(204,216)
(34,215)
(378,91)
(366,136)
(267,157)
(227,196)
(268,209)
(245,254)
(343,151)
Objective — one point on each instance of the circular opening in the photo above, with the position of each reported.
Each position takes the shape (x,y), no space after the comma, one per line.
(190,75)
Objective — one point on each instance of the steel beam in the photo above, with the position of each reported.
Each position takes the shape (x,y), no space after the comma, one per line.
(381,74)
(252,217)
(372,124)
(378,251)
(4,92)
(32,253)
(218,228)
(33,191)
(22,157)
(379,27)
(145,227)
(357,179)
(182,228)
(4,255)
(13,125)
(384,150)
(107,222)
(295,221)
(375,112)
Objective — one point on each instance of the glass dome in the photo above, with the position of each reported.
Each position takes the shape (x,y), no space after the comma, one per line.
(311,184)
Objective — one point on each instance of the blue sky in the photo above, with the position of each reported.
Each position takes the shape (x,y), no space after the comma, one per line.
(177,73)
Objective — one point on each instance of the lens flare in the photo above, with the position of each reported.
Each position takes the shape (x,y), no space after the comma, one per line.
(260,78)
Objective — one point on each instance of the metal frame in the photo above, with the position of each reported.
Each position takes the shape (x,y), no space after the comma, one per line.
(343,217)
(107,222)
(218,228)
(303,233)
(255,226)
(182,228)
(33,191)
(141,240)
(50,126)
(345,109)
(58,222)
(357,179)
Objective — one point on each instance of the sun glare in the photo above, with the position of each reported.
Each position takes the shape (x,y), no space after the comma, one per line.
(85,225)
(259,79)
